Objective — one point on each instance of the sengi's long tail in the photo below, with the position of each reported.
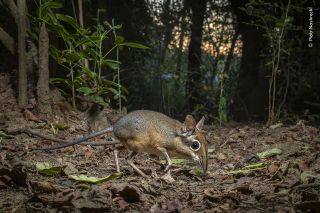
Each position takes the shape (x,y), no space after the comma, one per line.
(79,140)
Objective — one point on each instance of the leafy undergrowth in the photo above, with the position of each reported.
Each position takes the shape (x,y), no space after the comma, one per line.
(251,169)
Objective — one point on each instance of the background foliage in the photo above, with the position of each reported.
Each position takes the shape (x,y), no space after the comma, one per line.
(238,47)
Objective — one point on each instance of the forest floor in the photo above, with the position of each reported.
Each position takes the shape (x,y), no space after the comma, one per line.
(239,179)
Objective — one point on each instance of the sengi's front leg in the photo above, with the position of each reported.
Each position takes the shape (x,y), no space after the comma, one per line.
(167,176)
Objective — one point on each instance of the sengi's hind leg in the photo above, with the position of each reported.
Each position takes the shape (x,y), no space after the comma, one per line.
(135,168)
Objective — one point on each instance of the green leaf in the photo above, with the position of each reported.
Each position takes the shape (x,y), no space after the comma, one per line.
(134,45)
(92,75)
(110,83)
(119,40)
(198,172)
(308,176)
(46,168)
(33,34)
(111,63)
(58,29)
(123,89)
(175,161)
(99,100)
(55,53)
(269,153)
(256,166)
(85,90)
(90,40)
(112,90)
(68,19)
(59,80)
(124,98)
(117,26)
(72,56)
(90,179)
(48,6)
(51,5)
(94,55)
(61,126)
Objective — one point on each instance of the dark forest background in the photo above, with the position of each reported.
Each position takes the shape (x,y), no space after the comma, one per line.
(228,60)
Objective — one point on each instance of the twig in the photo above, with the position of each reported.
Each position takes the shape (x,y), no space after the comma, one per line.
(309,185)
(225,143)
(275,67)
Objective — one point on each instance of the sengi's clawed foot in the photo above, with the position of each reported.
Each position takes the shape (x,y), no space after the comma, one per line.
(167,177)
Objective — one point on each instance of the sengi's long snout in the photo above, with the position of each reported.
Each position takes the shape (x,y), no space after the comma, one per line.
(204,163)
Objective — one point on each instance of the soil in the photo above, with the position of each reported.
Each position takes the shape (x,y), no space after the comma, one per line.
(238,180)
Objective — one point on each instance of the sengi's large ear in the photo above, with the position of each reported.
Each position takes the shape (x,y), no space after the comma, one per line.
(200,124)
(189,123)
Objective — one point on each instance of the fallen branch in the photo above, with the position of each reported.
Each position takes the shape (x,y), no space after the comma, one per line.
(4,135)
(308,185)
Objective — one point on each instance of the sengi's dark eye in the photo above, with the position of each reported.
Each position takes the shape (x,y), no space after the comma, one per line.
(195,145)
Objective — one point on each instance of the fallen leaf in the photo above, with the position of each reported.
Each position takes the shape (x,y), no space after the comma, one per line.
(273,168)
(16,174)
(88,152)
(303,165)
(174,206)
(155,208)
(308,206)
(269,153)
(129,193)
(276,126)
(221,156)
(121,202)
(308,177)
(249,168)
(198,172)
(47,187)
(58,199)
(46,168)
(256,166)
(210,151)
(61,126)
(29,116)
(244,189)
(90,179)
(174,161)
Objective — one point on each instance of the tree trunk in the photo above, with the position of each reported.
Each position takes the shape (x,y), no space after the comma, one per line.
(231,50)
(198,9)
(22,75)
(43,91)
(181,37)
(251,100)
(168,25)
(81,22)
